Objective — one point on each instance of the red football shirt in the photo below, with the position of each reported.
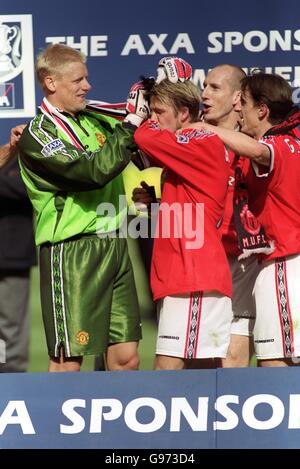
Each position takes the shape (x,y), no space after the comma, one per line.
(274,193)
(197,173)
(228,231)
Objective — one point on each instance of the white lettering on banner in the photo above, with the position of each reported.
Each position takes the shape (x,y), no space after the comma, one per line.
(174,415)
(254,41)
(16,413)
(68,409)
(135,43)
(159,415)
(180,405)
(231,419)
(294,414)
(198,421)
(97,411)
(96,46)
(93,46)
(277,412)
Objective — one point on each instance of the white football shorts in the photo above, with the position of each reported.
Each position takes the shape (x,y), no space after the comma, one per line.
(277,298)
(195,325)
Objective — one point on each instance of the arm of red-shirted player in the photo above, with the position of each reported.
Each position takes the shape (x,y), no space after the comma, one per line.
(183,158)
(240,143)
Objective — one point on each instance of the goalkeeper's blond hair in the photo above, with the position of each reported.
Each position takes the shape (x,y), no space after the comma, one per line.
(53,60)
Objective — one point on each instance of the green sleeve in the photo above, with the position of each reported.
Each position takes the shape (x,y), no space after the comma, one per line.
(68,168)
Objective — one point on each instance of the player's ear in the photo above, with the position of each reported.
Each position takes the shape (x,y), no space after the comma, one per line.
(263,111)
(184,114)
(236,102)
(49,83)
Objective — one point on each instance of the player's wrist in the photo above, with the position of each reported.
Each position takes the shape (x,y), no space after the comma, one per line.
(133,119)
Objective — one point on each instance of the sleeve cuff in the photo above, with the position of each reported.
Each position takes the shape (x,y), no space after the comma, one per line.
(264,171)
(133,119)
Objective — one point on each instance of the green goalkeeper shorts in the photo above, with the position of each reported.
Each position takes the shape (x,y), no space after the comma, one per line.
(88,295)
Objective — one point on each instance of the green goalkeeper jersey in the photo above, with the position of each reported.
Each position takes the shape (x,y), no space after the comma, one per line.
(70,167)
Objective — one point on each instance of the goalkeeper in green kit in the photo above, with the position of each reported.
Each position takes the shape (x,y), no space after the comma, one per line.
(71,159)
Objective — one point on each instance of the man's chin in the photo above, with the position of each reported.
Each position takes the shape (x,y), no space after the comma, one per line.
(82,104)
(81,107)
(245,131)
(210,119)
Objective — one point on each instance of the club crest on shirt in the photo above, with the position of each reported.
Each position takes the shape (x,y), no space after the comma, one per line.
(101,138)
(182,138)
(153,125)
